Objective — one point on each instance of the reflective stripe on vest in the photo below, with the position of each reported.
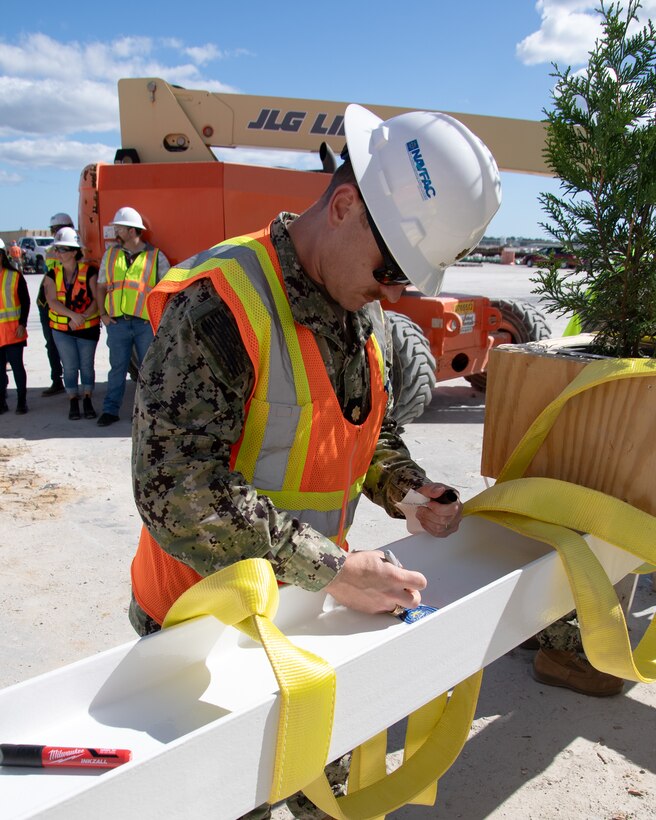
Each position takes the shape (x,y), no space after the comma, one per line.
(9,307)
(128,287)
(303,454)
(57,320)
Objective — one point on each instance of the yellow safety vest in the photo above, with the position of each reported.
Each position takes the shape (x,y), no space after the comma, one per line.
(128,287)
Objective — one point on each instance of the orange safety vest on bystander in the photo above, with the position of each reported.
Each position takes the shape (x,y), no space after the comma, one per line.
(80,296)
(10,307)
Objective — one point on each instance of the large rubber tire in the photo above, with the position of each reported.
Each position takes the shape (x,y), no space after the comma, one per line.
(40,265)
(525,323)
(413,369)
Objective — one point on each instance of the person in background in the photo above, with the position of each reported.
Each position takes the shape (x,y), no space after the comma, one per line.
(70,290)
(14,310)
(129,270)
(263,410)
(16,253)
(57,222)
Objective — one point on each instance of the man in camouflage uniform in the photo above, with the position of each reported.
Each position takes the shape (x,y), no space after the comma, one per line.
(197,376)
(190,409)
(192,400)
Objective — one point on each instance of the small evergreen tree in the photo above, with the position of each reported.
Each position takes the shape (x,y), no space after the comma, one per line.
(601,143)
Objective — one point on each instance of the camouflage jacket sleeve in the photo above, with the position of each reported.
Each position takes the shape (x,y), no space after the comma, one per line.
(392,472)
(189,411)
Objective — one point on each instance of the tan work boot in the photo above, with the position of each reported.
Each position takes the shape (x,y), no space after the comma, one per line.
(558,668)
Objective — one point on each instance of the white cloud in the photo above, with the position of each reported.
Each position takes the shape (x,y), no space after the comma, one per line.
(8,178)
(52,105)
(299,160)
(566,34)
(203,54)
(40,57)
(568,31)
(53,93)
(57,152)
(172,42)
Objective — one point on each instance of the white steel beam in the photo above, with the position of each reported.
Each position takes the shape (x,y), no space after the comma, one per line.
(198,704)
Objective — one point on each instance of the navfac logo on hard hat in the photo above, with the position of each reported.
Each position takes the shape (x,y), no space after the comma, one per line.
(419,167)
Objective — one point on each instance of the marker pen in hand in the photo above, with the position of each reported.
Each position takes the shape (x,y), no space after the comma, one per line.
(63,757)
(407,615)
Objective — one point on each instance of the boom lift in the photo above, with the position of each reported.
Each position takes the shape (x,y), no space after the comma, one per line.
(166,169)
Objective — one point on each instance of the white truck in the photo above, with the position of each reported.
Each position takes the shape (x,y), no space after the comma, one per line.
(34,252)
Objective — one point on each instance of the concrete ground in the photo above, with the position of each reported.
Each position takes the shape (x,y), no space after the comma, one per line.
(68,530)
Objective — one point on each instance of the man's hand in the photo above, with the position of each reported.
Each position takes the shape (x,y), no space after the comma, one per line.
(368,583)
(439,519)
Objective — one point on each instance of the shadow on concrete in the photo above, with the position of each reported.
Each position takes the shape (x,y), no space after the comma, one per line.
(48,416)
(530,725)
(455,404)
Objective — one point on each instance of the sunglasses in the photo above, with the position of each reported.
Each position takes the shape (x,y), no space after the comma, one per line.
(60,249)
(390,272)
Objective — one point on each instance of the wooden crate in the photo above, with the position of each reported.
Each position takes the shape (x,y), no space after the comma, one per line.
(604,438)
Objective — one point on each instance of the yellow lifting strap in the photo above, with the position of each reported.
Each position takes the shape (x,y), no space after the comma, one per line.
(549,510)
(245,595)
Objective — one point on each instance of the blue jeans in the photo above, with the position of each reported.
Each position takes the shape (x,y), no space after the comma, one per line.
(77,356)
(122,334)
(13,355)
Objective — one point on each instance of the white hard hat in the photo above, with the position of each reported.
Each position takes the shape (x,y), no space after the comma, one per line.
(2,244)
(431,187)
(60,220)
(128,217)
(67,237)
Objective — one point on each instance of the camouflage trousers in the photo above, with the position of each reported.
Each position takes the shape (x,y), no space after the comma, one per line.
(299,805)
(563,634)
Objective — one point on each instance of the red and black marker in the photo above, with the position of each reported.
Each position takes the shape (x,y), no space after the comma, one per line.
(63,757)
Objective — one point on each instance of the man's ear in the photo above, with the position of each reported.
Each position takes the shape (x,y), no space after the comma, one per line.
(344,203)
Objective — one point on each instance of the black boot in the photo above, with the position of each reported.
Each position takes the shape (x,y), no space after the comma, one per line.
(55,388)
(3,406)
(74,412)
(21,404)
(89,412)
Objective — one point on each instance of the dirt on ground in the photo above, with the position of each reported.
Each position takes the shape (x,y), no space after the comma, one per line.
(27,489)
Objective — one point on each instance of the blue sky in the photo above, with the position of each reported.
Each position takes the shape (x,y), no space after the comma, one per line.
(59,66)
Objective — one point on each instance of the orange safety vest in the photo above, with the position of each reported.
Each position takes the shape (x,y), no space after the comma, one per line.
(128,287)
(80,295)
(296,446)
(10,307)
